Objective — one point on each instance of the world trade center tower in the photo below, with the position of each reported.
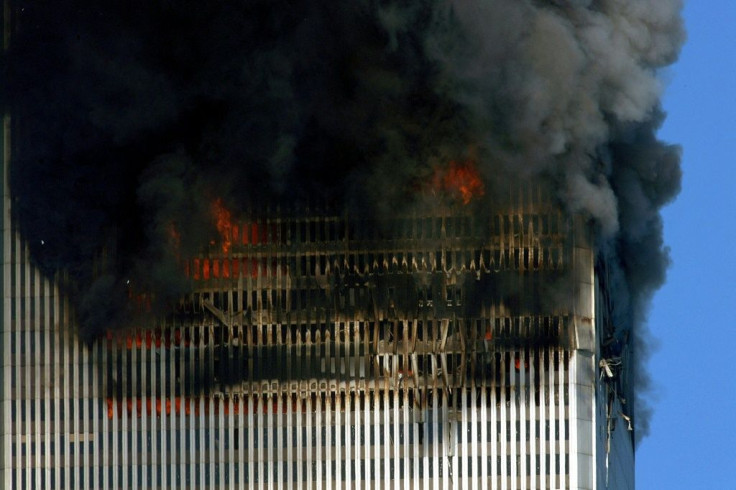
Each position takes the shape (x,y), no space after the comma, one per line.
(458,352)
(314,348)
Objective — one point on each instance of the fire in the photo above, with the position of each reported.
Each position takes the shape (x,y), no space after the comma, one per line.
(223,223)
(461,179)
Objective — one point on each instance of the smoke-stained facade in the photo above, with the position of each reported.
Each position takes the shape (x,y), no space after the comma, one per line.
(208,209)
(310,353)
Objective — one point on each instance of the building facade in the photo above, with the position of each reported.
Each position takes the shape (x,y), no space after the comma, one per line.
(316,350)
(453,352)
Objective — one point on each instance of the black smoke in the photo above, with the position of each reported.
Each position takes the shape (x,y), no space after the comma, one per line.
(129,118)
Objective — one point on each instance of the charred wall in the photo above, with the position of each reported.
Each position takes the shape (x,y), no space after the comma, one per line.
(416,301)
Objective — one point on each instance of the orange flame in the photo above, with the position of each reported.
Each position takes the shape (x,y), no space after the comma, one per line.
(461,179)
(223,223)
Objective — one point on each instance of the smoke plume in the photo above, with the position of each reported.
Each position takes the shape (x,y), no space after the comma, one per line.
(133,116)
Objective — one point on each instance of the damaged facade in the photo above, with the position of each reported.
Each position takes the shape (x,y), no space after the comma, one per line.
(314,351)
(442,348)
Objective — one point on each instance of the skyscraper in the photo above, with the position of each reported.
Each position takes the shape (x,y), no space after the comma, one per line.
(408,322)
(433,351)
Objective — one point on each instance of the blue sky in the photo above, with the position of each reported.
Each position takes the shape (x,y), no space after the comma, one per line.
(693,439)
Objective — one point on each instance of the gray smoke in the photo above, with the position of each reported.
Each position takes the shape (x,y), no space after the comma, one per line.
(135,117)
(568,92)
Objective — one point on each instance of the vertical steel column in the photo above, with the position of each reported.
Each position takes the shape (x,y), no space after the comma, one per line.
(357,447)
(513,417)
(165,399)
(38,325)
(128,456)
(309,441)
(113,412)
(562,416)
(243,452)
(27,390)
(503,419)
(573,446)
(462,445)
(48,388)
(330,442)
(495,471)
(229,448)
(320,443)
(543,442)
(533,419)
(300,453)
(251,444)
(486,474)
(386,442)
(553,419)
(395,438)
(473,433)
(522,417)
(146,399)
(376,427)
